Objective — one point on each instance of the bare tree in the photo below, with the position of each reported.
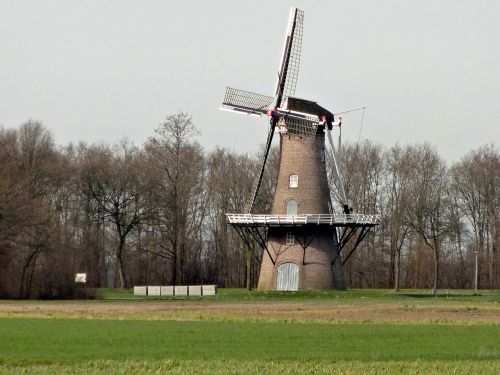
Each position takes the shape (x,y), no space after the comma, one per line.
(476,182)
(11,202)
(363,172)
(117,187)
(428,208)
(229,183)
(398,169)
(179,163)
(36,175)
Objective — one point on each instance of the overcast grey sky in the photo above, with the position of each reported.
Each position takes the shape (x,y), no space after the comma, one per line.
(104,70)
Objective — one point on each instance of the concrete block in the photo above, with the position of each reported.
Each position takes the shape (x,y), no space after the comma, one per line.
(181,290)
(209,290)
(167,290)
(154,291)
(140,290)
(195,290)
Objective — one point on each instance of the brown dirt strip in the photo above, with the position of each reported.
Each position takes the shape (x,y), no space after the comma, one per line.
(269,311)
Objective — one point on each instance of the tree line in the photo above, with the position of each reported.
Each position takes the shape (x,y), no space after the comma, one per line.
(155,214)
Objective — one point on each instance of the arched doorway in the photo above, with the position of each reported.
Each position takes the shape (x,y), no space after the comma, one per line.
(292,207)
(288,277)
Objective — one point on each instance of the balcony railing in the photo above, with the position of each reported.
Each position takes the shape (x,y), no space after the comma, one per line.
(328,219)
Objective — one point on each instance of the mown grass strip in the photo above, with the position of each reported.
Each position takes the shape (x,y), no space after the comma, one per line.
(393,315)
(352,295)
(76,340)
(211,367)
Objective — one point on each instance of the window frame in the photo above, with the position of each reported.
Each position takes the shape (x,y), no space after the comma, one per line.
(293,181)
(289,239)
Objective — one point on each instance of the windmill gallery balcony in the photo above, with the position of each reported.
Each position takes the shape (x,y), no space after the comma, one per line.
(300,220)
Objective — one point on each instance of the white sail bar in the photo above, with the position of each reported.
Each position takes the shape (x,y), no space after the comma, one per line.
(310,219)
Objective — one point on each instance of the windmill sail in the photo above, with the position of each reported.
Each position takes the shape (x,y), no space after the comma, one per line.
(255,188)
(290,63)
(246,102)
(252,103)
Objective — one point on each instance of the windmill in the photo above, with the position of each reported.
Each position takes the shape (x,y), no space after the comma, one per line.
(303,238)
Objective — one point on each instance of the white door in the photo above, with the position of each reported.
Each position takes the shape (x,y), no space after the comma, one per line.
(288,277)
(292,207)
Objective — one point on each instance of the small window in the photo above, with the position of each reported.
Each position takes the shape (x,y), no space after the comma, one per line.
(290,238)
(294,181)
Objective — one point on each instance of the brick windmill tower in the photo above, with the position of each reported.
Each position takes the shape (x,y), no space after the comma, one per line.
(303,238)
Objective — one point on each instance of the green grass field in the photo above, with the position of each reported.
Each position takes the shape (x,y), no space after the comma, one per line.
(353,295)
(241,332)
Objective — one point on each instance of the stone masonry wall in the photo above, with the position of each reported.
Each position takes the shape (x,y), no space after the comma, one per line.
(302,156)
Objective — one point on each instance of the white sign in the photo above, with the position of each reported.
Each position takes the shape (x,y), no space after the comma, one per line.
(80,278)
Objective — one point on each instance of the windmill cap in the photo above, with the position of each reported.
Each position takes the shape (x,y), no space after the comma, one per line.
(309,107)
